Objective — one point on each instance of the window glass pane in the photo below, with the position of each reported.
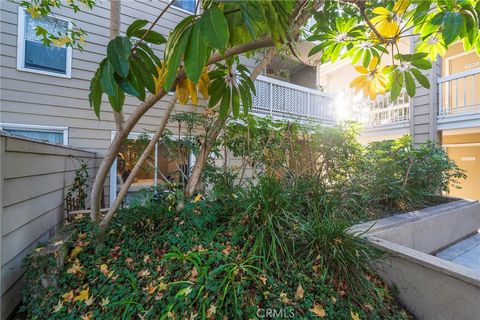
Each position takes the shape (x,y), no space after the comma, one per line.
(52,25)
(37,56)
(52,137)
(188,5)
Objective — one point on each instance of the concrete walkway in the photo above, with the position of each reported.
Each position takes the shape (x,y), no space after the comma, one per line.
(465,253)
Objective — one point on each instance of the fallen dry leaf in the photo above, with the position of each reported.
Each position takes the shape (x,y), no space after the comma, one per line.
(82,296)
(284,297)
(68,296)
(211,311)
(58,306)
(354,315)
(318,310)
(299,292)
(75,251)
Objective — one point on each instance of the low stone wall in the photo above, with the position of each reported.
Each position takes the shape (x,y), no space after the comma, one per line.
(431,288)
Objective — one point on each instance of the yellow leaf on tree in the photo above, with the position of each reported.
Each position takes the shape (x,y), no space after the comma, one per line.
(318,310)
(160,81)
(192,90)
(354,315)
(182,92)
(34,11)
(401,6)
(61,41)
(82,296)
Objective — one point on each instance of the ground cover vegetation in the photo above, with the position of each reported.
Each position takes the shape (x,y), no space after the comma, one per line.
(267,234)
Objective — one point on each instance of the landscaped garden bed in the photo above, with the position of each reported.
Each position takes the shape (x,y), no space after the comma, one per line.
(275,244)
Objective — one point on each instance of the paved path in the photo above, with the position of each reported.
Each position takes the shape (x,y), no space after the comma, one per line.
(465,253)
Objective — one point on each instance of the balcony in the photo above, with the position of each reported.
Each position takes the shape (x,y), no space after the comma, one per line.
(459,100)
(383,111)
(283,100)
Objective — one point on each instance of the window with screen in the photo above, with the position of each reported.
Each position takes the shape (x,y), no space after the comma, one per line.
(33,55)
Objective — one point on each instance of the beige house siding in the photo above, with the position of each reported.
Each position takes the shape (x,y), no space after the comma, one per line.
(423,112)
(36,99)
(34,180)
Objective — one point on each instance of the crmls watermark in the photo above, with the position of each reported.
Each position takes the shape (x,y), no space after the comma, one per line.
(275,313)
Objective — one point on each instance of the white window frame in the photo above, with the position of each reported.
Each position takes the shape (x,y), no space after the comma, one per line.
(183,10)
(21,49)
(113,169)
(37,128)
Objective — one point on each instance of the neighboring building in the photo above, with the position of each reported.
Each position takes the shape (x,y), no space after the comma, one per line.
(448,112)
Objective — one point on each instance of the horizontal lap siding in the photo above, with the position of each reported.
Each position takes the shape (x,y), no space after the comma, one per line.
(35,177)
(424,104)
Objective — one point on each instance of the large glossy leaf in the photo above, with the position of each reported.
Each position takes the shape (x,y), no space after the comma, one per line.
(175,58)
(195,54)
(107,80)
(96,92)
(127,87)
(118,52)
(141,73)
(235,103)
(421,78)
(452,24)
(117,100)
(134,26)
(214,28)
(151,37)
(225,105)
(410,84)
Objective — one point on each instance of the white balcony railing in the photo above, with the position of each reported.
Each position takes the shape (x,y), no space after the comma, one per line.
(383,111)
(281,99)
(459,93)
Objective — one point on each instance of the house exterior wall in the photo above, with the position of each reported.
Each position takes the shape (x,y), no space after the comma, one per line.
(34,179)
(36,99)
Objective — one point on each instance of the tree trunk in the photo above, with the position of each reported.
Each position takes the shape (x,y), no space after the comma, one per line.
(137,114)
(212,135)
(146,153)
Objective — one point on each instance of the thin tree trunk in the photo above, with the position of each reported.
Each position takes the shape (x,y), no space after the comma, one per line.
(300,18)
(137,114)
(146,153)
(212,135)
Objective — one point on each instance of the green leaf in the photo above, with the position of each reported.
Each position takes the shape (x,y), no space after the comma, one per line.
(141,73)
(397,84)
(225,105)
(235,103)
(410,84)
(139,53)
(150,52)
(216,91)
(117,100)
(421,78)
(127,87)
(195,54)
(175,58)
(96,92)
(107,80)
(214,28)
(136,84)
(118,52)
(422,64)
(151,37)
(135,25)
(452,24)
